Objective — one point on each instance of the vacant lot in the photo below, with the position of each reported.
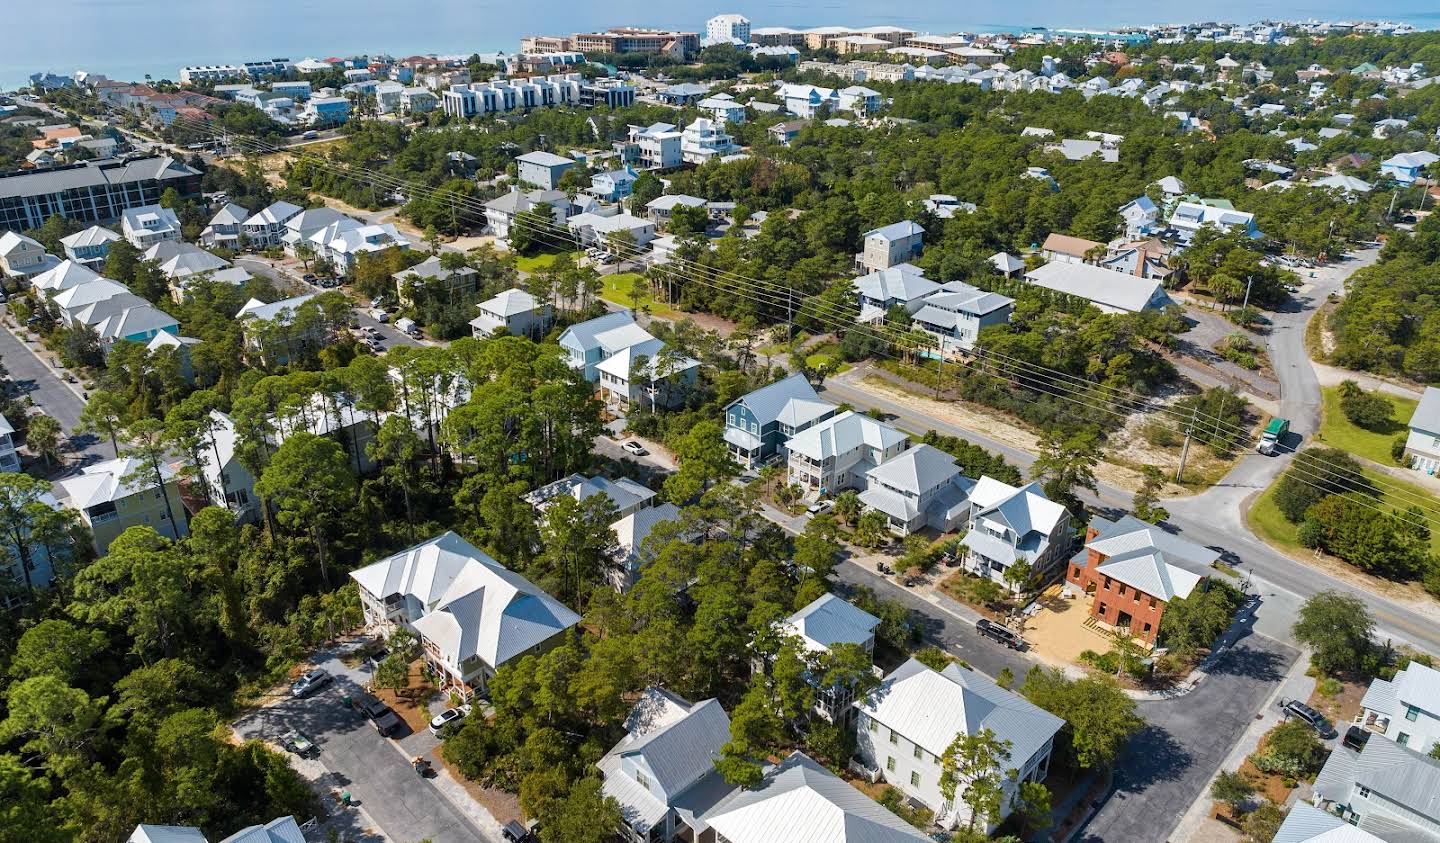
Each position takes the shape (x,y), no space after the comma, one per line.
(1337,431)
(1267,521)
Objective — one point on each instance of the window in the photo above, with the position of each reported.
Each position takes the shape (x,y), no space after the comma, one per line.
(1152,601)
(914,779)
(642,779)
(1147,627)
(1403,739)
(894,738)
(1411,712)
(1077,572)
(919,753)
(1107,583)
(1122,589)
(1364,792)
(890,764)
(1102,608)
(873,725)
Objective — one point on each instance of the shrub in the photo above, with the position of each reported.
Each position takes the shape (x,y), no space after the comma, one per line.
(1369,410)
(1159,434)
(1330,686)
(1397,448)
(1291,749)
(1302,486)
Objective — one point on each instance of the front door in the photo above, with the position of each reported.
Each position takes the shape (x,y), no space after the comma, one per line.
(1123,620)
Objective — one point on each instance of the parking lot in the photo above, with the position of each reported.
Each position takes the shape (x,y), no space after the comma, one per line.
(376,771)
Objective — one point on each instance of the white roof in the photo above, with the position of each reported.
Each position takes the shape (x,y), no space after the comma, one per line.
(544,159)
(142,318)
(829,620)
(1116,291)
(1024,508)
(624,493)
(585,335)
(277,213)
(10,241)
(1006,262)
(1307,824)
(280,830)
(5,426)
(93,236)
(931,708)
(632,530)
(896,282)
(64,276)
(109,481)
(510,302)
(1171,185)
(97,290)
(231,214)
(621,362)
(800,801)
(844,433)
(473,605)
(670,200)
(1422,158)
(260,310)
(146,833)
(896,230)
(792,401)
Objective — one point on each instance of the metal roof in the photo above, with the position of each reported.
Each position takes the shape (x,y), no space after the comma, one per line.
(1427,413)
(898,283)
(1308,824)
(830,620)
(896,230)
(918,470)
(842,434)
(791,401)
(1104,287)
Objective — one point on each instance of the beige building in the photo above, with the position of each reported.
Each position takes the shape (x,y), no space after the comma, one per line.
(115,495)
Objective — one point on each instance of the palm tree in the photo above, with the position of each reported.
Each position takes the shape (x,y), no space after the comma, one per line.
(847,506)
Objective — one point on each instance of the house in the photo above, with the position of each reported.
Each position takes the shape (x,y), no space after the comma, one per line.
(1140,216)
(543,169)
(625,495)
(23,257)
(837,453)
(908,722)
(1171,189)
(343,242)
(1189,217)
(115,495)
(326,111)
(588,343)
(305,225)
(1389,790)
(500,212)
(662,773)
(184,259)
(1406,167)
(1347,185)
(149,224)
(612,186)
(265,228)
(470,613)
(945,205)
(660,208)
(165,342)
(9,458)
(921,487)
(1067,249)
(891,244)
(514,310)
(704,140)
(73,301)
(1129,571)
(336,418)
(1010,525)
(723,109)
(1112,292)
(63,276)
(89,247)
(860,100)
(1305,823)
(1007,264)
(1422,445)
(279,830)
(1079,150)
(463,280)
(655,147)
(957,313)
(799,801)
(1405,709)
(1143,259)
(808,101)
(646,372)
(596,230)
(135,321)
(783,133)
(683,93)
(630,533)
(256,319)
(758,424)
(897,286)
(228,482)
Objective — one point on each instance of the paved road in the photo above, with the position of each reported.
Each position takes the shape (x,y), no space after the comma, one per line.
(52,396)
(1168,764)
(283,279)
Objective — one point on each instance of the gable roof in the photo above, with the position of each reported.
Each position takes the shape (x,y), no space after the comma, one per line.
(260,310)
(1307,824)
(632,530)
(65,275)
(109,481)
(919,469)
(279,830)
(1065,244)
(896,230)
(11,241)
(829,620)
(843,433)
(791,401)
(680,752)
(146,833)
(1427,413)
(897,282)
(584,333)
(93,236)
(1023,508)
(231,214)
(1146,557)
(1105,287)
(275,214)
(800,801)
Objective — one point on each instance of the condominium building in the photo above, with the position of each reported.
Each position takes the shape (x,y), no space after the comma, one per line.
(728,29)
(91,191)
(635,40)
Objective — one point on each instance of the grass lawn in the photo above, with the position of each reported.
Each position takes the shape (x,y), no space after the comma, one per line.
(826,352)
(535,263)
(1337,431)
(1266,519)
(617,291)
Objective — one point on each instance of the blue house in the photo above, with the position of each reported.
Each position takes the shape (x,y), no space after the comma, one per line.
(757,425)
(1407,166)
(614,185)
(591,342)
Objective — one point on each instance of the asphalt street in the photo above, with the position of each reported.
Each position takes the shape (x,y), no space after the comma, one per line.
(52,397)
(390,334)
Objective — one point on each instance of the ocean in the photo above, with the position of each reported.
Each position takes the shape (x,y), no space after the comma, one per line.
(128,39)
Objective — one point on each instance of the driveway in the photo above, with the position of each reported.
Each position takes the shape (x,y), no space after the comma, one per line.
(375,770)
(53,397)
(283,278)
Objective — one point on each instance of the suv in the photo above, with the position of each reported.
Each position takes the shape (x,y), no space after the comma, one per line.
(385,721)
(1355,738)
(999,634)
(311,682)
(1314,719)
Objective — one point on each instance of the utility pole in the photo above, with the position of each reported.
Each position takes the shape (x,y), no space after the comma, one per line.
(1248,280)
(1393,196)
(1185,448)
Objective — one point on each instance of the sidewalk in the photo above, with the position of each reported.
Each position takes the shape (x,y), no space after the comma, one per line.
(39,352)
(1197,824)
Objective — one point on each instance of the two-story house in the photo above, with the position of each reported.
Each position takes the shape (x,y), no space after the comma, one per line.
(1388,789)
(1405,709)
(459,282)
(921,487)
(892,244)
(470,613)
(807,101)
(89,247)
(23,257)
(1009,525)
(908,722)
(9,457)
(1140,216)
(612,186)
(958,312)
(627,496)
(500,212)
(647,373)
(1064,248)
(1190,217)
(896,286)
(660,208)
(1422,445)
(1407,167)
(594,341)
(1130,571)
(115,495)
(662,773)
(630,553)
(228,482)
(149,224)
(265,228)
(758,424)
(225,228)
(542,169)
(826,622)
(838,453)
(514,310)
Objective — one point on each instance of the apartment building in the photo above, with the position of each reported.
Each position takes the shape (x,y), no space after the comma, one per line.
(838,453)
(727,29)
(115,495)
(636,40)
(91,191)
(502,96)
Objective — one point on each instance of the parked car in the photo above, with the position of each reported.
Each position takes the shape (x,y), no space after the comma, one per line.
(299,743)
(633,447)
(448,718)
(378,656)
(380,715)
(820,506)
(1355,738)
(309,277)
(311,682)
(514,832)
(1294,709)
(999,634)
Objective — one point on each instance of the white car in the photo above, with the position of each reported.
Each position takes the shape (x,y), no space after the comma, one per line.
(447,717)
(821,506)
(633,447)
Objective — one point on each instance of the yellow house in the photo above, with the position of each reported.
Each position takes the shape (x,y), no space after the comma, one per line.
(116,495)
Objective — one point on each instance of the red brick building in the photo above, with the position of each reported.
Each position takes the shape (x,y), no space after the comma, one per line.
(1130,570)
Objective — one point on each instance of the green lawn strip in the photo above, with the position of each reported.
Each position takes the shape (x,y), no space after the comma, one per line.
(617,290)
(1338,432)
(828,351)
(536,263)
(1266,519)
